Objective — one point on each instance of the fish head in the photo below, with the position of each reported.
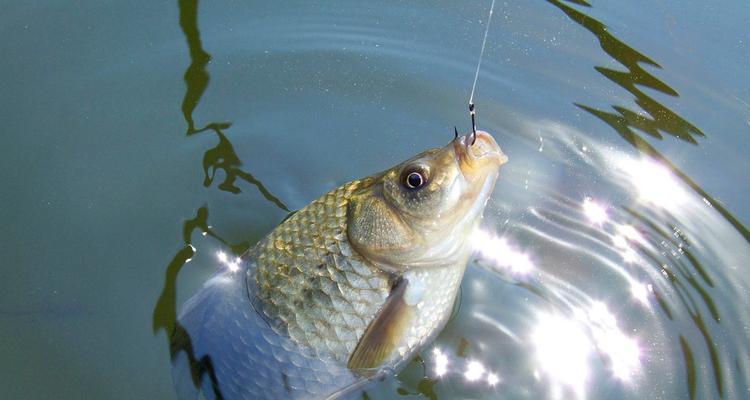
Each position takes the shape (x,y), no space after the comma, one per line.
(421,212)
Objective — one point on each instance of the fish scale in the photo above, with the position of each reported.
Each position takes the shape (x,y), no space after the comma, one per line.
(307,275)
(250,358)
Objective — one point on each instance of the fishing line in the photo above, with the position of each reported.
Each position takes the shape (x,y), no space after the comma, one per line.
(472,113)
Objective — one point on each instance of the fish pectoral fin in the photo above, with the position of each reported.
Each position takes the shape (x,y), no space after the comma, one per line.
(385,331)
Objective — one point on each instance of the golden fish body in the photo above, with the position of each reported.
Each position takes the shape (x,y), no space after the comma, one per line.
(347,288)
(325,294)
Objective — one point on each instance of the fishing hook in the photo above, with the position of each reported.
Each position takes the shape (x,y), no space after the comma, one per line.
(473,123)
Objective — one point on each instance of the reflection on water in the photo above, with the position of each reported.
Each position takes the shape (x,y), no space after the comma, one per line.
(165,311)
(221,157)
(610,253)
(562,352)
(655,184)
(659,118)
(595,212)
(498,253)
(580,294)
(655,179)
(196,75)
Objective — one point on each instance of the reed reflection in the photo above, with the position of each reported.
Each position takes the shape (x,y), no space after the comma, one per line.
(654,118)
(165,311)
(220,157)
(660,185)
(660,118)
(196,77)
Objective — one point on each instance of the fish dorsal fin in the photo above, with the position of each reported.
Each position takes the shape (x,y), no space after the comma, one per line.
(385,331)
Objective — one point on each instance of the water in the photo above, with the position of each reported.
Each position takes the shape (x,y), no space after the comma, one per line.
(135,131)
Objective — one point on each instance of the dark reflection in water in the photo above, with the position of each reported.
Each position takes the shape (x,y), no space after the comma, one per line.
(689,365)
(653,119)
(660,118)
(165,312)
(221,157)
(656,238)
(196,75)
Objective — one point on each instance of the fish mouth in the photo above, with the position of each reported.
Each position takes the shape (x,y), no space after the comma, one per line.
(477,154)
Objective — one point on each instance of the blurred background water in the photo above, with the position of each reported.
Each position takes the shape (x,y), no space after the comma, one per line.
(613,258)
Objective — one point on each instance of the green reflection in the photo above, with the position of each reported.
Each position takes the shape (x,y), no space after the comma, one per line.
(419,384)
(165,312)
(223,157)
(687,354)
(660,118)
(656,237)
(654,118)
(220,157)
(196,75)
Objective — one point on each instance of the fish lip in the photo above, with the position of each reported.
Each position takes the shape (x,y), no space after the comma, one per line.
(477,153)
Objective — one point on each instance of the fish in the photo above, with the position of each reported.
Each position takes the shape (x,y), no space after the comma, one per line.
(346,290)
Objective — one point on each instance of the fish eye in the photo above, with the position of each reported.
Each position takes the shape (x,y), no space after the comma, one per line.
(414,178)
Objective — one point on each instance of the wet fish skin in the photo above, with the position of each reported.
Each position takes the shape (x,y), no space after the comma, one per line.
(348,287)
(238,355)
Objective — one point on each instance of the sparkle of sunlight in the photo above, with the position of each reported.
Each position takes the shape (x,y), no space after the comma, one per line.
(231,265)
(474,371)
(654,182)
(441,362)
(562,351)
(595,212)
(500,253)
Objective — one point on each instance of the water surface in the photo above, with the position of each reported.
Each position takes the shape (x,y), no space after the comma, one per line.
(612,261)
